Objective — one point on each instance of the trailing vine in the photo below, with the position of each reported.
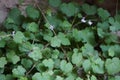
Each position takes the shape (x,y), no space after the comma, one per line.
(78,42)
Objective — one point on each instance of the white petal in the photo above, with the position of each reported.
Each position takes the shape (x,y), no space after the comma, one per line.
(13,33)
(90,22)
(83,20)
(51,27)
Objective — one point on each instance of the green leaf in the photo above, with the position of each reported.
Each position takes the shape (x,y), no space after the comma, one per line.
(25,47)
(43,76)
(46,52)
(112,65)
(117,17)
(111,20)
(55,54)
(79,15)
(37,76)
(40,67)
(54,21)
(9,77)
(48,63)
(57,63)
(27,63)
(12,57)
(98,66)
(3,62)
(88,51)
(66,67)
(2,77)
(103,14)
(101,33)
(2,43)
(78,78)
(89,10)
(9,20)
(47,75)
(87,65)
(63,39)
(69,9)
(59,78)
(103,25)
(115,26)
(35,54)
(70,77)
(30,36)
(117,50)
(19,37)
(32,12)
(18,72)
(111,38)
(104,49)
(15,16)
(76,35)
(117,77)
(14,12)
(47,35)
(93,78)
(49,11)
(1,70)
(55,3)
(111,52)
(33,27)
(11,26)
(66,25)
(2,35)
(77,57)
(55,42)
(14,19)
(87,35)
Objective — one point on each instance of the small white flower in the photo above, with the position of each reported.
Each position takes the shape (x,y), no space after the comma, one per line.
(90,22)
(83,20)
(51,27)
(13,33)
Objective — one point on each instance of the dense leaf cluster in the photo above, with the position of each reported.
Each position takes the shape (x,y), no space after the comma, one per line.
(78,42)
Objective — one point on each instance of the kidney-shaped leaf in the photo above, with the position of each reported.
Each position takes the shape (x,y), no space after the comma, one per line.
(112,65)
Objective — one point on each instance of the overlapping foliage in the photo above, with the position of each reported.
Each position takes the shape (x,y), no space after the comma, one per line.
(78,42)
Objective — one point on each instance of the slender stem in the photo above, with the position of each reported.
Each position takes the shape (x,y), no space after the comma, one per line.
(33,41)
(46,45)
(65,54)
(117,7)
(77,24)
(31,69)
(44,16)
(4,36)
(74,20)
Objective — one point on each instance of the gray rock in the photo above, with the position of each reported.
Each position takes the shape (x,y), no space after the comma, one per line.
(3,15)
